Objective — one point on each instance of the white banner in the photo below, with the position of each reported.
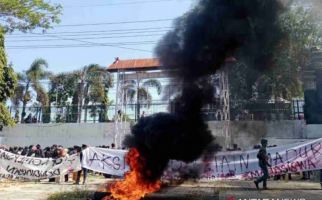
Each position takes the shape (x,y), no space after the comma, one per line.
(233,165)
(107,161)
(244,165)
(17,166)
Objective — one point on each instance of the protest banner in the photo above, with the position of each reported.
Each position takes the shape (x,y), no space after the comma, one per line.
(107,161)
(233,165)
(291,158)
(17,166)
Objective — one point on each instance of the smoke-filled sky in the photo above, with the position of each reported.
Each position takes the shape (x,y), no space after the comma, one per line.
(315,5)
(196,48)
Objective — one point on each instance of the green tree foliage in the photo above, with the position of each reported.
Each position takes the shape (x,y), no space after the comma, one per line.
(251,88)
(138,93)
(241,85)
(8,81)
(283,79)
(5,118)
(24,15)
(87,88)
(64,86)
(95,83)
(31,81)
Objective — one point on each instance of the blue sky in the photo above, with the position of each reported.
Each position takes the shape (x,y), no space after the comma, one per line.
(91,12)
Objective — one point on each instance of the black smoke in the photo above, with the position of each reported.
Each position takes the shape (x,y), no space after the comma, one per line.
(198,45)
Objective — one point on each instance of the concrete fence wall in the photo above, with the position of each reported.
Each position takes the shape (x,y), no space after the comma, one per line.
(248,133)
(243,133)
(67,134)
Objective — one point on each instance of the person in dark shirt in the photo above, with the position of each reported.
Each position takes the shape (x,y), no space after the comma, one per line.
(47,152)
(263,164)
(24,151)
(39,152)
(28,120)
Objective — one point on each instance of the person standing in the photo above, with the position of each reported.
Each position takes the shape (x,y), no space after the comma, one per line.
(39,152)
(60,153)
(84,170)
(263,164)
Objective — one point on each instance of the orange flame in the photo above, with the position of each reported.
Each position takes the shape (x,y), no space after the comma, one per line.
(134,186)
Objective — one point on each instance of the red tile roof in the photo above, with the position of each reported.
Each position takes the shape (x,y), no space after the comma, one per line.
(143,64)
(135,64)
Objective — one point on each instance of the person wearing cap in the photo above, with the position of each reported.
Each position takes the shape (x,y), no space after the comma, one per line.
(263,164)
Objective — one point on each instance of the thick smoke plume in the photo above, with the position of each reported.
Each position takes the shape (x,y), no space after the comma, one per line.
(198,45)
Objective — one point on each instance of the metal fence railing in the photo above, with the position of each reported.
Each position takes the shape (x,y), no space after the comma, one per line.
(87,114)
(239,110)
(264,110)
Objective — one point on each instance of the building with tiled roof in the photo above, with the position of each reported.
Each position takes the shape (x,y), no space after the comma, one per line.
(134,65)
(142,64)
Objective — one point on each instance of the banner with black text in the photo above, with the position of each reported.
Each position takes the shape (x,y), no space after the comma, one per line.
(107,161)
(288,158)
(17,166)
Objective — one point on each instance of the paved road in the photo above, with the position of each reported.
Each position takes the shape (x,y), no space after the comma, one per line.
(277,189)
(245,190)
(196,191)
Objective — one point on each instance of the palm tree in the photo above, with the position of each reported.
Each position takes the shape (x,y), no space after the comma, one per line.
(89,85)
(133,90)
(94,83)
(31,80)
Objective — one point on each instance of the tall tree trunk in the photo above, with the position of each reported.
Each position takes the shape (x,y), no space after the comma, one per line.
(85,114)
(24,103)
(138,108)
(94,112)
(74,107)
(86,100)
(80,101)
(46,114)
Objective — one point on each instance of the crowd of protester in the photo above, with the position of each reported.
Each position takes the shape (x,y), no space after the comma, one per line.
(56,151)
